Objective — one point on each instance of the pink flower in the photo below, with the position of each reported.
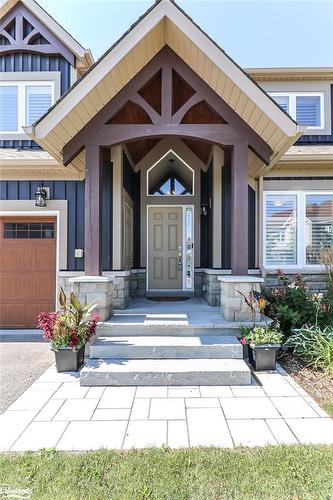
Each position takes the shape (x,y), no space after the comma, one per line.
(243,341)
(96,317)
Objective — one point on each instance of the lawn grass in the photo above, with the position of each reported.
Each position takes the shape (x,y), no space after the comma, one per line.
(272,473)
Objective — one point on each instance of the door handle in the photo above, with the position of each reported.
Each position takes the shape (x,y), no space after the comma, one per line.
(180,259)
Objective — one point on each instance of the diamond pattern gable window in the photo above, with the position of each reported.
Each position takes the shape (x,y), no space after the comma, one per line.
(281,230)
(318,226)
(308,110)
(171,187)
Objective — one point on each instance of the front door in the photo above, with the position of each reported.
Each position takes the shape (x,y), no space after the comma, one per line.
(165,248)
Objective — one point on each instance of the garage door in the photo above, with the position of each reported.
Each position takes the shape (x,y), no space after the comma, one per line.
(27,269)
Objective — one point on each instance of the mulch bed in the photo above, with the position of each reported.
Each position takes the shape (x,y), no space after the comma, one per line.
(316,383)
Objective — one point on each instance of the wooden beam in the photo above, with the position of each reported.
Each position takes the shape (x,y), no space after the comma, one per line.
(259,146)
(179,115)
(239,210)
(93,212)
(166,93)
(110,135)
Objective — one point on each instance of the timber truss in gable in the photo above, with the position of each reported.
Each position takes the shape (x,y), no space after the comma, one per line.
(166,98)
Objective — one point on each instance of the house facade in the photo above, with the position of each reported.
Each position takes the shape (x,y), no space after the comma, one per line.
(167,169)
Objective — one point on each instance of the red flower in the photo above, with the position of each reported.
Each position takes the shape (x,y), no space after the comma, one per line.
(46,322)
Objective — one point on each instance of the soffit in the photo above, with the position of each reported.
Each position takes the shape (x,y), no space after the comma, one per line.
(164,25)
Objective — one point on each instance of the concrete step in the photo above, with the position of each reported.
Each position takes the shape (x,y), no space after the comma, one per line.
(150,372)
(105,329)
(167,347)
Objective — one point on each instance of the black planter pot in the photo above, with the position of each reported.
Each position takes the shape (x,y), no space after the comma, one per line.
(68,360)
(263,357)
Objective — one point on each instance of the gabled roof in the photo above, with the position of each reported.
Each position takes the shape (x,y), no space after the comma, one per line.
(84,56)
(164,24)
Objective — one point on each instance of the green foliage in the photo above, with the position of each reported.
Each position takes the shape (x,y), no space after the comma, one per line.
(289,304)
(260,335)
(315,346)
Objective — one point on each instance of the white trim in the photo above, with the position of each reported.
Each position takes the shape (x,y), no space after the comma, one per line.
(300,230)
(292,109)
(184,289)
(159,161)
(165,9)
(52,25)
(46,213)
(21,103)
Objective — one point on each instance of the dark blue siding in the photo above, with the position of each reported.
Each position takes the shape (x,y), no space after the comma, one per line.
(131,183)
(206,221)
(319,139)
(34,62)
(73,192)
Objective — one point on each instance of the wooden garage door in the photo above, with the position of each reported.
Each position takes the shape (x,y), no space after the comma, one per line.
(27,269)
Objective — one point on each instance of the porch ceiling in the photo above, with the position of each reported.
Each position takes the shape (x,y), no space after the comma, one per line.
(165,24)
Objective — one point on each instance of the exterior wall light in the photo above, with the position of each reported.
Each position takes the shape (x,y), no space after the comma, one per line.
(40,197)
(204,209)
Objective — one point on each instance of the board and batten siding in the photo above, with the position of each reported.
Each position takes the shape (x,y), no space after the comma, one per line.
(73,192)
(34,62)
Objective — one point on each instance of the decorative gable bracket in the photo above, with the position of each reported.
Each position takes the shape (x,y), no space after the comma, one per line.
(21,31)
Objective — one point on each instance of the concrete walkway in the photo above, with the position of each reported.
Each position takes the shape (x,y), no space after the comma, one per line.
(55,412)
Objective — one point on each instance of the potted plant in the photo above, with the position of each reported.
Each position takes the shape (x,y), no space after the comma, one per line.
(68,331)
(264,344)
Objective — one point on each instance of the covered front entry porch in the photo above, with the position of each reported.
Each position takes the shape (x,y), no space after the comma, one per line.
(177,160)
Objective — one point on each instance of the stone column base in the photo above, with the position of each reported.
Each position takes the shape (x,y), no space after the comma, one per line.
(233,306)
(97,290)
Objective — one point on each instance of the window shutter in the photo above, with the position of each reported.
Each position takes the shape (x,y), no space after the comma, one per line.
(38,101)
(282,101)
(308,110)
(318,226)
(281,230)
(8,108)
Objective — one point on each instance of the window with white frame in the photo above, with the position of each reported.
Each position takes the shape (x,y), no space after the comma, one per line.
(298,226)
(307,108)
(22,103)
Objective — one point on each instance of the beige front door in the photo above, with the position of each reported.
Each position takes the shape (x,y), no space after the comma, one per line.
(165,248)
(128,236)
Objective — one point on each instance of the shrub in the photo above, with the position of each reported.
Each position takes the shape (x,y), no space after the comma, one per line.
(289,303)
(315,346)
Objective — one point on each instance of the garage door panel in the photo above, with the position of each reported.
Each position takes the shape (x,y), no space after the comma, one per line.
(27,274)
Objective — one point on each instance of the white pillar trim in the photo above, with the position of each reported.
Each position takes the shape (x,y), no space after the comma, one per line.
(218,162)
(117,188)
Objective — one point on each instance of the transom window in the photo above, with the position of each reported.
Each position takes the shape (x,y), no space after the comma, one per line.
(27,230)
(170,176)
(297,228)
(23,103)
(306,108)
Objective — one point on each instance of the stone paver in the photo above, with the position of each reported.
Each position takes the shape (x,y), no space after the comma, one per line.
(40,435)
(248,408)
(56,412)
(177,434)
(208,427)
(146,434)
(312,430)
(167,409)
(251,433)
(93,435)
(294,407)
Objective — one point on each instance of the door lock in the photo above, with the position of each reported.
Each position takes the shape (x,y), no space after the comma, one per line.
(180,259)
